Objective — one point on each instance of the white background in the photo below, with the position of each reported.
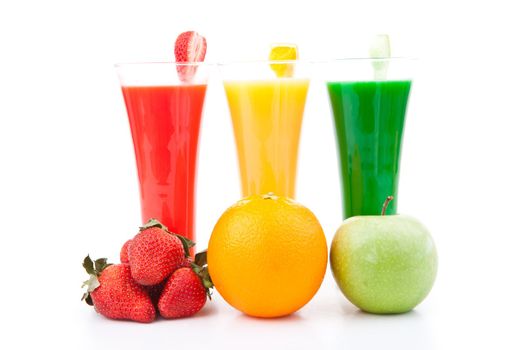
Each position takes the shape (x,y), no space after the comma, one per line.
(68,182)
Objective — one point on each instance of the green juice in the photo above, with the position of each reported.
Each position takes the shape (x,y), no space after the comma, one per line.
(369,118)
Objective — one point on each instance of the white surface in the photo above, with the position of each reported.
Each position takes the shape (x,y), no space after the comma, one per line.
(68,182)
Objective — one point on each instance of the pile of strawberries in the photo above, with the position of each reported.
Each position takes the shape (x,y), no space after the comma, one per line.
(156,273)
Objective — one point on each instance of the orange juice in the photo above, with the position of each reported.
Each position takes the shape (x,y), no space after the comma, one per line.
(267,117)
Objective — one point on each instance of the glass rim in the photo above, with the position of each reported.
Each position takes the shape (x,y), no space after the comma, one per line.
(161,64)
(315,61)
(365,59)
(263,61)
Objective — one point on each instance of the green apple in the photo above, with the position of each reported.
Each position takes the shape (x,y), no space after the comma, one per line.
(384,264)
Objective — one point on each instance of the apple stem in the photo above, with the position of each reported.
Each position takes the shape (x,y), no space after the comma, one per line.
(385,204)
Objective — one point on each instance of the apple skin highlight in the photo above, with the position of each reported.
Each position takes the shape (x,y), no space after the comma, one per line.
(384,264)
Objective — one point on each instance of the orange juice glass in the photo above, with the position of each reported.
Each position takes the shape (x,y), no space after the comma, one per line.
(266,113)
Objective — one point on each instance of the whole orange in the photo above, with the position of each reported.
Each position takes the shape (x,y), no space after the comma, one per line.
(267,256)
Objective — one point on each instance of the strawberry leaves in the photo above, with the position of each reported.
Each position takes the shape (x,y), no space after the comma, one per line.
(88,265)
(100,265)
(92,283)
(186,243)
(94,269)
(153,223)
(201,258)
(200,267)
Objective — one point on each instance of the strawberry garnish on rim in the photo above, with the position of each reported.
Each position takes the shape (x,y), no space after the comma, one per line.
(190,47)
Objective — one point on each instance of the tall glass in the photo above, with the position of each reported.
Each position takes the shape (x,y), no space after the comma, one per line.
(266,113)
(165,116)
(369,100)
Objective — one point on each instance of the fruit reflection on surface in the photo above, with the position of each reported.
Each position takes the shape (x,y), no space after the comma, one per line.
(267,255)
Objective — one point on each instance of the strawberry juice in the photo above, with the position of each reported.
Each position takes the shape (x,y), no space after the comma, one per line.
(165,123)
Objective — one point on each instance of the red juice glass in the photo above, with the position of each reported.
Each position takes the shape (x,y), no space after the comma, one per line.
(164,116)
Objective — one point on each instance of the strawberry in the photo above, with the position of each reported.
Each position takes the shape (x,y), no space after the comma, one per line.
(187,262)
(183,295)
(185,291)
(114,293)
(155,291)
(154,253)
(124,252)
(190,47)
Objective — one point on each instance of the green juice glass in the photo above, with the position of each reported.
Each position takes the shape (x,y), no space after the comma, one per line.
(369,99)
